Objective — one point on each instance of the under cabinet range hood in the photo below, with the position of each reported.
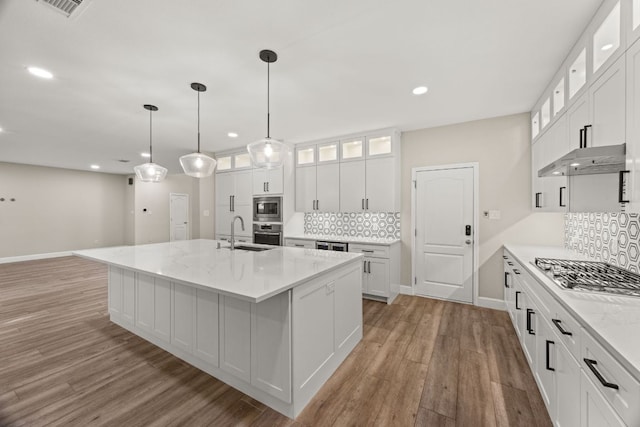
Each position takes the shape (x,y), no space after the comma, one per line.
(588,161)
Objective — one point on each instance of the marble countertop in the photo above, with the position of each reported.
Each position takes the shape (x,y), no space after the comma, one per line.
(251,276)
(613,321)
(348,239)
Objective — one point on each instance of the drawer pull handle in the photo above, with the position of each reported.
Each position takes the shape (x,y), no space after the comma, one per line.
(510,263)
(562,330)
(592,365)
(517,307)
(549,368)
(369,251)
(506,279)
(298,245)
(515,270)
(505,257)
(529,327)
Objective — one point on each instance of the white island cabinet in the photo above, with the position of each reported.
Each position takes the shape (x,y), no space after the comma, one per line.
(274,324)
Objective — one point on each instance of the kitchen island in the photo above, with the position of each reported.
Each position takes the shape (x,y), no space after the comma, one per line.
(274,324)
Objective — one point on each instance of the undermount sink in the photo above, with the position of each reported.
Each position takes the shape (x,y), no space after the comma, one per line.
(251,248)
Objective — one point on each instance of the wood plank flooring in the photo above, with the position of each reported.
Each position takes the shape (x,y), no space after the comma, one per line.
(422,362)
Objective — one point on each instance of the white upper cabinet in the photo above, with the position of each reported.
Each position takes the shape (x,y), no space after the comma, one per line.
(306,156)
(558,97)
(352,149)
(607,36)
(535,124)
(578,73)
(358,173)
(235,160)
(607,105)
(328,152)
(634,25)
(545,113)
(633,124)
(268,181)
(378,146)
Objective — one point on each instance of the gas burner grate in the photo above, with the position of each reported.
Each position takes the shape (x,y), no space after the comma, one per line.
(590,276)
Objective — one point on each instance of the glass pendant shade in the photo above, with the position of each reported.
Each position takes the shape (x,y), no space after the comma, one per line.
(267,153)
(197,165)
(150,172)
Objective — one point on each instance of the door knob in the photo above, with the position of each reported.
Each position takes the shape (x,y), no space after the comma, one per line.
(468,242)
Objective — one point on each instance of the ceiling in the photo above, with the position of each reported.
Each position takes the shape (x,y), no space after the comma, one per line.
(344,66)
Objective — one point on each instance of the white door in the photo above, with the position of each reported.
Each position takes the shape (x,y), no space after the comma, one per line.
(179,216)
(444,215)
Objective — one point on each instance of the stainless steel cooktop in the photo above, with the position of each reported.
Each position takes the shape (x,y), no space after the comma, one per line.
(590,276)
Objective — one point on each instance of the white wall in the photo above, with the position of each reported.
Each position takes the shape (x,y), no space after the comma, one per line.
(152,226)
(59,210)
(502,147)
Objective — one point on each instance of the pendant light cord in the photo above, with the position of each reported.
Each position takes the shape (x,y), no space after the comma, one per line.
(268,111)
(150,136)
(198,121)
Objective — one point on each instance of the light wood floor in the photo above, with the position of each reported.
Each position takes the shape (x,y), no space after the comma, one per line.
(422,362)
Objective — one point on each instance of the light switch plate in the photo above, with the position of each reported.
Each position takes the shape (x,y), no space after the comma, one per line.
(494,214)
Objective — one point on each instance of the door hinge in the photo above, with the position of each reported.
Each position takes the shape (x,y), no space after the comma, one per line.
(415,232)
(415,280)
(415,184)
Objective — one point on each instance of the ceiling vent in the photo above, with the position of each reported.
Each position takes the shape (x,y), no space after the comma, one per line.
(67,7)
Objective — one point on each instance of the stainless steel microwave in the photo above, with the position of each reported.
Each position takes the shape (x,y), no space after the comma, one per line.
(267,209)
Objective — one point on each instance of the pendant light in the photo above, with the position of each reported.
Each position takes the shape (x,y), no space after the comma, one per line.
(150,172)
(198,165)
(267,153)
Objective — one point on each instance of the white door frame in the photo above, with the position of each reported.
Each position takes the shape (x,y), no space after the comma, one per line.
(476,216)
(188,214)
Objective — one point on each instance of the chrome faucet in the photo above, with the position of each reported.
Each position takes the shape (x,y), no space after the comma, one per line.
(233,233)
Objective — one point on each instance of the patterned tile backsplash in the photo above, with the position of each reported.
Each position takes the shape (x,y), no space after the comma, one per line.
(366,224)
(609,237)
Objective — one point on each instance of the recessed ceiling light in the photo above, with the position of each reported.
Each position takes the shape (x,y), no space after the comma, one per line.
(556,173)
(1,129)
(40,72)
(95,166)
(607,46)
(574,164)
(232,135)
(420,90)
(145,155)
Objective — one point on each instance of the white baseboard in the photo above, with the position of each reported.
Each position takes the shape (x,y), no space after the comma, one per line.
(6,260)
(406,290)
(496,304)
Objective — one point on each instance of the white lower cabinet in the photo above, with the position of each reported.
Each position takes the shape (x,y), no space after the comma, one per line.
(153,306)
(567,373)
(248,345)
(235,337)
(580,382)
(594,409)
(207,321)
(182,317)
(271,346)
(300,243)
(380,270)
(128,296)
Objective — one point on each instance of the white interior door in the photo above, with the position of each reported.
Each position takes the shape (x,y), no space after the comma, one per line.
(444,208)
(179,216)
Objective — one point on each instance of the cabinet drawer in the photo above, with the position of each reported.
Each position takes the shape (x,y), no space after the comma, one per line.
(568,330)
(596,361)
(300,243)
(370,250)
